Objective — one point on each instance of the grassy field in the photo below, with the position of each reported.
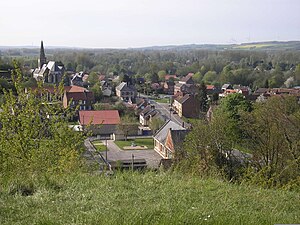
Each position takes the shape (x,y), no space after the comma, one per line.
(148,198)
(99,146)
(163,100)
(251,46)
(140,141)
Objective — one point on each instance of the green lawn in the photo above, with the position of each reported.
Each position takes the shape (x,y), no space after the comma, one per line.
(148,198)
(162,100)
(99,146)
(140,141)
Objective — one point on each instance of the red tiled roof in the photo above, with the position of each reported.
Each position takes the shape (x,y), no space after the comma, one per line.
(231,91)
(168,76)
(74,89)
(76,96)
(54,89)
(99,117)
(210,87)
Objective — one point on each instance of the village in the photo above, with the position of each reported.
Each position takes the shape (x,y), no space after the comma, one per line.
(134,122)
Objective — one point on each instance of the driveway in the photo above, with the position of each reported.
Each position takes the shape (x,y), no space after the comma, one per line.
(114,153)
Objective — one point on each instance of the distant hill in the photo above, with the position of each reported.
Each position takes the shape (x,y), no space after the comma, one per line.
(256,46)
(272,45)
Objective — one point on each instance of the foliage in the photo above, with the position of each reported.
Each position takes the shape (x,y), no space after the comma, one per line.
(161,75)
(155,124)
(35,138)
(128,126)
(209,77)
(202,97)
(208,149)
(96,89)
(93,78)
(273,131)
(230,109)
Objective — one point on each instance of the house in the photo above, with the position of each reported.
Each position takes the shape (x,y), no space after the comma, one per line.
(226,87)
(211,89)
(75,95)
(169,87)
(140,104)
(105,88)
(188,79)
(160,139)
(182,89)
(187,106)
(100,122)
(147,114)
(126,92)
(185,86)
(77,79)
(48,72)
(174,141)
(156,87)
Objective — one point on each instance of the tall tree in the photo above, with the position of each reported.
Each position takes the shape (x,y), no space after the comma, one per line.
(128,126)
(202,97)
(273,131)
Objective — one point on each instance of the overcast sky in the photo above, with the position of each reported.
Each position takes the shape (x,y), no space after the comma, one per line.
(137,23)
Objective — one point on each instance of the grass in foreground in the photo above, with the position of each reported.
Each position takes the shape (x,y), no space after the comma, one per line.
(149,198)
(139,141)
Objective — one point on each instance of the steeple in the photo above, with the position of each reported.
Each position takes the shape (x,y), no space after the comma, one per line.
(42,59)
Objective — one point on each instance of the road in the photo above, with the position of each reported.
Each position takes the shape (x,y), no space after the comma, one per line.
(164,110)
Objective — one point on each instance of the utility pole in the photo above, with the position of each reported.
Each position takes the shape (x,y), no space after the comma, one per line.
(106,150)
(132,161)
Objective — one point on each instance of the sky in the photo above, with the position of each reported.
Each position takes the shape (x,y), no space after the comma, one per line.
(141,23)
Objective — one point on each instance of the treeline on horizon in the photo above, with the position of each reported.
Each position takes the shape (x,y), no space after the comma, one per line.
(246,67)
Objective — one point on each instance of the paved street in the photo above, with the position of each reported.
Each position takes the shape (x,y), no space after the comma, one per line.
(115,153)
(164,110)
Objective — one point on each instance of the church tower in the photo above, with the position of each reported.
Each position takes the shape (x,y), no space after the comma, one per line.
(42,60)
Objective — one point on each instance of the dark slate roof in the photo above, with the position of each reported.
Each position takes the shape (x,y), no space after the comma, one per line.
(182,99)
(188,79)
(162,133)
(226,86)
(261,91)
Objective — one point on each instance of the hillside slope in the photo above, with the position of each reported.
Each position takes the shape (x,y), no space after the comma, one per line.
(150,198)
